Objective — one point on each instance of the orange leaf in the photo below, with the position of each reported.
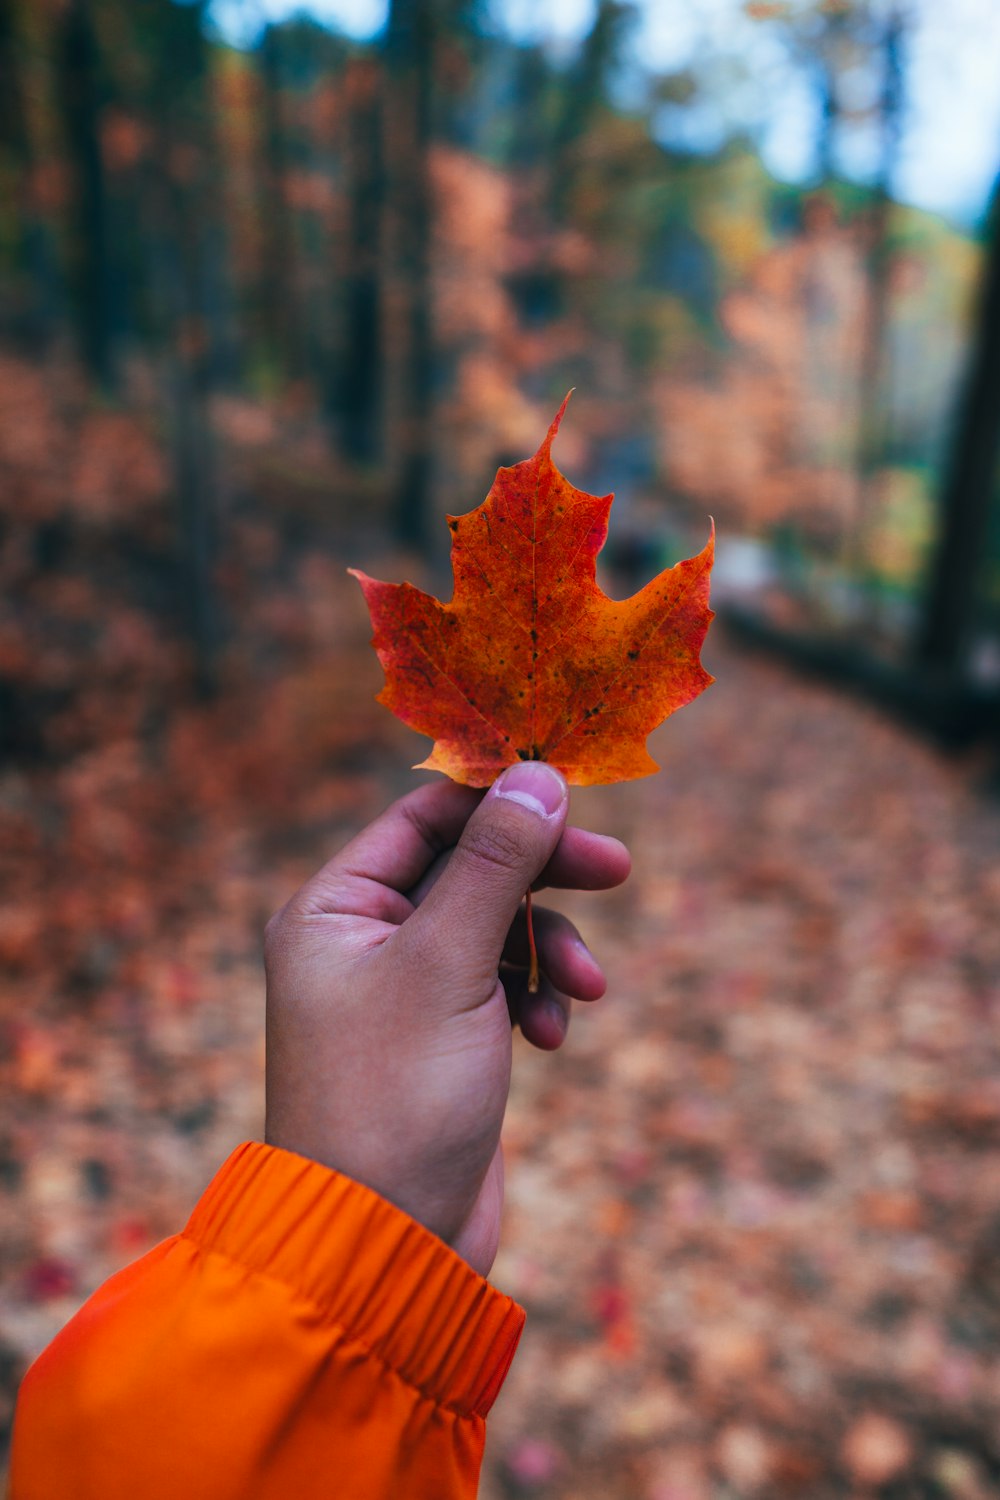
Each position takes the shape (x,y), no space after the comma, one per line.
(531,660)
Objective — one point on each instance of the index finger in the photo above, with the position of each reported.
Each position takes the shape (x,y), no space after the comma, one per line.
(397,848)
(582,861)
(585,861)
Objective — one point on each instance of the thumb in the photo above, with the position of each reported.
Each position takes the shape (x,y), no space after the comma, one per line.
(505,845)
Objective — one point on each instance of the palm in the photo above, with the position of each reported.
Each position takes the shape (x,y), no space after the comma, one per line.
(392,992)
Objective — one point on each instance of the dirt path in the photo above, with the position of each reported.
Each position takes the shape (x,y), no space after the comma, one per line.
(755,1205)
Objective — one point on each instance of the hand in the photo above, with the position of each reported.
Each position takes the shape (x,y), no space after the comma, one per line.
(394,977)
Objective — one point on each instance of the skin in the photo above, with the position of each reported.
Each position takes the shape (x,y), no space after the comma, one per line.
(395,976)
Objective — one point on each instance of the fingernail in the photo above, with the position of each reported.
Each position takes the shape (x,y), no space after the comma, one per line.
(584,952)
(535,785)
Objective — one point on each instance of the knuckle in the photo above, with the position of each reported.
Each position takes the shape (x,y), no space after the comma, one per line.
(497,845)
(274,933)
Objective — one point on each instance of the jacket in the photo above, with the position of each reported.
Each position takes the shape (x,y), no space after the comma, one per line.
(301,1339)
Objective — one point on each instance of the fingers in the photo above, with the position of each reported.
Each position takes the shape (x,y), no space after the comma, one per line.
(391,866)
(568,969)
(392,853)
(563,956)
(582,861)
(462,923)
(585,861)
(543,1017)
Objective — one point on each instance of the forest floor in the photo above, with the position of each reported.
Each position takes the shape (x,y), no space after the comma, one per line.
(753,1204)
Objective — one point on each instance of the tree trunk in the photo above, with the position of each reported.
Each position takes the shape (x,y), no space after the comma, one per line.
(583,97)
(969,486)
(209,229)
(279,307)
(80,95)
(409,57)
(176,181)
(36,312)
(357,395)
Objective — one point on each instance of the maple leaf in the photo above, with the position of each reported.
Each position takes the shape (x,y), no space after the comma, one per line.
(531,660)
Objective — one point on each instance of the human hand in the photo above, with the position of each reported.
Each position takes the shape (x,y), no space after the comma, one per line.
(395,975)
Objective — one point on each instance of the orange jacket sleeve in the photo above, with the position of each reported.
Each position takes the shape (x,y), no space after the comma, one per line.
(302,1338)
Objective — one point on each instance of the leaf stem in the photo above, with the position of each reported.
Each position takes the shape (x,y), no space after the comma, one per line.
(532,950)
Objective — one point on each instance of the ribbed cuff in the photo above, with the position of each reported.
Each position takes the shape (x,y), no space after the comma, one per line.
(380,1276)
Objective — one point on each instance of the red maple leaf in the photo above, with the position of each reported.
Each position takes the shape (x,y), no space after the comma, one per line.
(531,660)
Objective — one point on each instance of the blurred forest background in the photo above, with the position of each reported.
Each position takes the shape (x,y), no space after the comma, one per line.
(276,296)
